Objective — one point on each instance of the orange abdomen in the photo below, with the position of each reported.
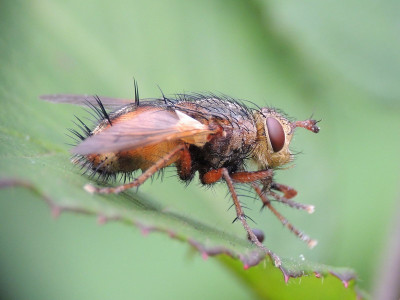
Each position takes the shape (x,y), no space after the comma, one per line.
(132,160)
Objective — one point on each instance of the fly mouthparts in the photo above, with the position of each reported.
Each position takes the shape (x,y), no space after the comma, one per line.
(307,124)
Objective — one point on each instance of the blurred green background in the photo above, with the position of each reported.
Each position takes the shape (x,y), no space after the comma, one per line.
(338,61)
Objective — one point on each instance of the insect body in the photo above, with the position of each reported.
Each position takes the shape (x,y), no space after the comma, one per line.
(198,133)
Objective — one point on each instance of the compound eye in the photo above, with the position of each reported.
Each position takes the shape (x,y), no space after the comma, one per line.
(276,134)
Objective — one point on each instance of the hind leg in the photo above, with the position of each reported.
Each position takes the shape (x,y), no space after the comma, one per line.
(157,166)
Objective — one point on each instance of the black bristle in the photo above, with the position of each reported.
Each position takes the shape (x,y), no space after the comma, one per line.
(96,110)
(76,133)
(99,115)
(85,128)
(165,99)
(103,111)
(137,99)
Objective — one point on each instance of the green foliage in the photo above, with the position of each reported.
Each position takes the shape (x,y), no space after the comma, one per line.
(302,58)
(45,171)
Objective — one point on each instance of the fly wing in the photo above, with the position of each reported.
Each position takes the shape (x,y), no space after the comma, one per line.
(150,127)
(85,99)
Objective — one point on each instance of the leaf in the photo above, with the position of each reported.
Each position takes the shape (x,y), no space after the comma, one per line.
(358,42)
(312,281)
(44,169)
(60,47)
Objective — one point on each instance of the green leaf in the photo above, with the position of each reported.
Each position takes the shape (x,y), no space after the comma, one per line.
(310,280)
(297,57)
(62,192)
(41,166)
(358,42)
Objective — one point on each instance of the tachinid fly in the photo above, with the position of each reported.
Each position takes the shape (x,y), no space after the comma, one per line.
(214,136)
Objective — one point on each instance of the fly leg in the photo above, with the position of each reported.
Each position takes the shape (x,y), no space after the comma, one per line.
(266,176)
(215,175)
(242,177)
(242,218)
(287,191)
(161,163)
(266,202)
(307,207)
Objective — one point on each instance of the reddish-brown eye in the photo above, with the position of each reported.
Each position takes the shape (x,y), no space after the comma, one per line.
(276,134)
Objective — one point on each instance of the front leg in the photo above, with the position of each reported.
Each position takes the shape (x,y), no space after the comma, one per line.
(288,192)
(266,202)
(265,178)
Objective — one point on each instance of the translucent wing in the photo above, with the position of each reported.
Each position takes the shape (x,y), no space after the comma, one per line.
(85,99)
(145,127)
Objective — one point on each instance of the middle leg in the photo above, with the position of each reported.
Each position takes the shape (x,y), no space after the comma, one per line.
(242,218)
(215,175)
